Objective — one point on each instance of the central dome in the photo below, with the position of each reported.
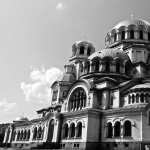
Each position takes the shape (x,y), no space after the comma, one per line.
(135,22)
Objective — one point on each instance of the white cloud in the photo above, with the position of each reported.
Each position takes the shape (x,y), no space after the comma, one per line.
(60,6)
(41,80)
(6,106)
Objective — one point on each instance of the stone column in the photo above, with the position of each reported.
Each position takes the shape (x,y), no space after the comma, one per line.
(118,36)
(5,137)
(121,131)
(113,131)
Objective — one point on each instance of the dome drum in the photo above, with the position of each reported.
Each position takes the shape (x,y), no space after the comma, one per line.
(82,49)
(129,31)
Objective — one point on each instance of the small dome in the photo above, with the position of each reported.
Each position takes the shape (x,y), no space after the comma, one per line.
(136,22)
(113,53)
(77,43)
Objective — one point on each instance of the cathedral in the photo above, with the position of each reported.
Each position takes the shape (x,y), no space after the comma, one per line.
(101,102)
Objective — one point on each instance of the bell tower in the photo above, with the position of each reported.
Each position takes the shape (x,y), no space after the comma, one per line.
(81,50)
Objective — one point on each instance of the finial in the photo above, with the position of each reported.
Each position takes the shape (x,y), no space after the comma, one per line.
(132,16)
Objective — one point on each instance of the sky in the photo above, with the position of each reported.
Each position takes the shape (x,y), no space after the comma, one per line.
(36,37)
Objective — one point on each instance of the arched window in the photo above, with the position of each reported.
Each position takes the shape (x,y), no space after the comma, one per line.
(107,65)
(117,129)
(35,133)
(72,130)
(18,135)
(115,37)
(148,36)
(21,136)
(133,98)
(14,135)
(24,134)
(79,130)
(147,98)
(117,67)
(51,130)
(109,130)
(131,34)
(127,128)
(28,135)
(39,132)
(82,50)
(141,35)
(129,99)
(96,65)
(88,66)
(123,35)
(88,51)
(77,99)
(137,98)
(142,98)
(65,131)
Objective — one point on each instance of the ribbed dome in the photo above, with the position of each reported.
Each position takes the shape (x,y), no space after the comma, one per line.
(136,22)
(110,52)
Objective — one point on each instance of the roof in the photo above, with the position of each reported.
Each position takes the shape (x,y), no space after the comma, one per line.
(142,86)
(110,52)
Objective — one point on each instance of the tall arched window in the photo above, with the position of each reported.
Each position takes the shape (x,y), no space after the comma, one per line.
(24,134)
(137,98)
(28,135)
(142,98)
(77,99)
(88,51)
(79,130)
(115,37)
(14,135)
(141,35)
(82,50)
(96,65)
(72,130)
(127,128)
(35,133)
(107,66)
(21,136)
(147,98)
(65,131)
(117,129)
(129,99)
(18,135)
(87,68)
(117,66)
(133,98)
(131,34)
(148,36)
(39,132)
(109,130)
(51,130)
(123,35)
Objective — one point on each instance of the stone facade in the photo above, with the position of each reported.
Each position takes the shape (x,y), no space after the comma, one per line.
(102,100)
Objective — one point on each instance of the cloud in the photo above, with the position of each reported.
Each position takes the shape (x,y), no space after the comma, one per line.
(60,6)
(6,106)
(41,80)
